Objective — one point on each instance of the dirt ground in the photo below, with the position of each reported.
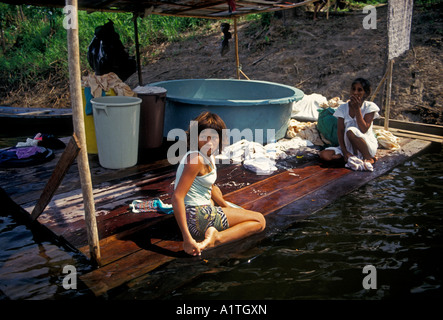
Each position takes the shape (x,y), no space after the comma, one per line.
(322,56)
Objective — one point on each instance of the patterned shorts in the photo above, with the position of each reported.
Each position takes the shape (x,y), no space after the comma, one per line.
(200,218)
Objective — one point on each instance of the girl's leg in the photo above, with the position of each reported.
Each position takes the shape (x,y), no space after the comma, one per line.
(329,155)
(242,223)
(359,144)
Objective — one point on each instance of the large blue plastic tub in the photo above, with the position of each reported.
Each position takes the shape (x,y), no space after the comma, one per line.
(242,104)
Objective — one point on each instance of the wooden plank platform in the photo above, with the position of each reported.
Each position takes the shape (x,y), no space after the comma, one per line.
(422,131)
(134,244)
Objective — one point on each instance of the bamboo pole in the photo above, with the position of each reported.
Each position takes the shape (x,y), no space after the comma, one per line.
(244,75)
(79,130)
(237,59)
(327,10)
(379,85)
(137,50)
(388,95)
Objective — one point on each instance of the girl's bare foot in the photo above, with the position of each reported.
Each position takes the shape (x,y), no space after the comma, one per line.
(210,238)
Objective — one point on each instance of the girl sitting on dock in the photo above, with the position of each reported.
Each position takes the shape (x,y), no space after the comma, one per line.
(199,207)
(354,127)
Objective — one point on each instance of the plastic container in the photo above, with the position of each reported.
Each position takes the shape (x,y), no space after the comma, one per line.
(251,105)
(91,140)
(152,116)
(117,122)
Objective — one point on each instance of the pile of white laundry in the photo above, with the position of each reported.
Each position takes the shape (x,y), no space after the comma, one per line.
(258,158)
(387,140)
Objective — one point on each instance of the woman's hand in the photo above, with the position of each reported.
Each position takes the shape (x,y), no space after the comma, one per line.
(347,155)
(217,196)
(355,102)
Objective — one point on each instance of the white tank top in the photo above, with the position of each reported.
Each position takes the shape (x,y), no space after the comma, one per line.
(200,191)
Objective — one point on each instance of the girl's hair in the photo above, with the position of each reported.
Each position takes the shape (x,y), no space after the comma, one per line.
(209,120)
(364,83)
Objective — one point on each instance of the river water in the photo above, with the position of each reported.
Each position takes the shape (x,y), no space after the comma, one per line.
(394,224)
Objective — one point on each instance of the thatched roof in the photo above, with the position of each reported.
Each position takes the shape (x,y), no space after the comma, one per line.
(212,9)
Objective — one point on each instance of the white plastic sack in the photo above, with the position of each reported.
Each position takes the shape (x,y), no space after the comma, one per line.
(306,108)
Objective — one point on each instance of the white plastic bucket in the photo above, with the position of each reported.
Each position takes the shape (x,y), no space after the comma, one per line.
(117,121)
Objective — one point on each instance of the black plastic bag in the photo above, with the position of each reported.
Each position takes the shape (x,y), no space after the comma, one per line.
(106,53)
(226,36)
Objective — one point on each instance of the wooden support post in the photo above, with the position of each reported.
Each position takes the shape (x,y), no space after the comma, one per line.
(237,59)
(67,158)
(327,9)
(388,95)
(137,50)
(79,129)
(379,85)
(244,75)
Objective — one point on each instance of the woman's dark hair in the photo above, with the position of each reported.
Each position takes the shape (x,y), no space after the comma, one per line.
(209,120)
(364,83)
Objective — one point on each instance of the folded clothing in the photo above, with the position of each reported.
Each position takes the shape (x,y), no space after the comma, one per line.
(387,140)
(43,140)
(15,157)
(28,143)
(261,166)
(98,85)
(26,152)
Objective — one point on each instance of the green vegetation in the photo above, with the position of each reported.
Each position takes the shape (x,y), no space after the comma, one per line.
(427,3)
(33,40)
(359,4)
